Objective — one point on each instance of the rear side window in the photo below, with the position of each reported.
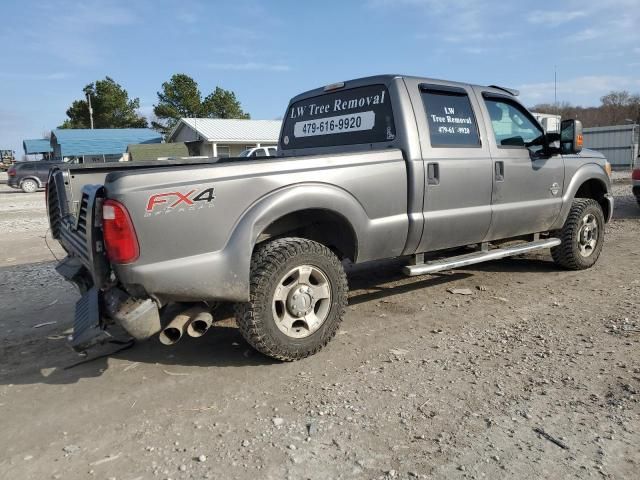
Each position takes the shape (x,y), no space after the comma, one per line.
(346,117)
(451,119)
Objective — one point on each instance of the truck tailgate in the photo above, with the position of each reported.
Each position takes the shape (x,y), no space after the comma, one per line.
(79,233)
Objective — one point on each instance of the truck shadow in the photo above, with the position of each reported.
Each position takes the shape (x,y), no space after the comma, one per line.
(40,361)
(381,279)
(221,347)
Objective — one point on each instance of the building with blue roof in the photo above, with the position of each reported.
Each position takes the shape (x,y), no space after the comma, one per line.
(38,146)
(100,144)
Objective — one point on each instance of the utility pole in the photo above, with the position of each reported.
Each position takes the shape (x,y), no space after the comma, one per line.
(555,87)
(90,110)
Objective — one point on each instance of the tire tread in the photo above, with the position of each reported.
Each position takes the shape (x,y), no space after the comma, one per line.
(565,254)
(264,262)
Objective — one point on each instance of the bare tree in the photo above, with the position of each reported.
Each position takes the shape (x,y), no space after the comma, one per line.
(616,108)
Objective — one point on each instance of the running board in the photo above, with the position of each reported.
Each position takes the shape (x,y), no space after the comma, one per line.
(479,257)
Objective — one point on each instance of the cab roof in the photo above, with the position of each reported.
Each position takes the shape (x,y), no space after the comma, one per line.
(388,78)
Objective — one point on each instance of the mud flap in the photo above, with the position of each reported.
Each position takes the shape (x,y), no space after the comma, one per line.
(87,330)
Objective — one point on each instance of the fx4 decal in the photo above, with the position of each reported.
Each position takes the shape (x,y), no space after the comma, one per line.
(168,202)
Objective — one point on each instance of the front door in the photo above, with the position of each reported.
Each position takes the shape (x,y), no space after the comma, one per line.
(457,161)
(527,186)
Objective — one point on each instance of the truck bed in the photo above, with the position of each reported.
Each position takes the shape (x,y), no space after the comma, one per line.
(209,239)
(77,176)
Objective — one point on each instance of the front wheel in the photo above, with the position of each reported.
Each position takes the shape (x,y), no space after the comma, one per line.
(28,185)
(582,236)
(298,296)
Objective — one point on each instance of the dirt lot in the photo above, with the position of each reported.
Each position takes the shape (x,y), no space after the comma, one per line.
(419,382)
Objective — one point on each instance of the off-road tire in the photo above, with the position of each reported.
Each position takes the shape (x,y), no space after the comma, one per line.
(255,319)
(567,254)
(29,185)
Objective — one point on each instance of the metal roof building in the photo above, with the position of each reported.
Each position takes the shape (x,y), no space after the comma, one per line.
(217,137)
(38,146)
(101,144)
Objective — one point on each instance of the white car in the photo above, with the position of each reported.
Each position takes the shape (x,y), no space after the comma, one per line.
(259,152)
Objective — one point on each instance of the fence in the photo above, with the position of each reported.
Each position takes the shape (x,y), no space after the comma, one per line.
(619,143)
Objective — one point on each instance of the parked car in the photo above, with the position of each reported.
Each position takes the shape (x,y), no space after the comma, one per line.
(259,152)
(30,176)
(374,168)
(635,180)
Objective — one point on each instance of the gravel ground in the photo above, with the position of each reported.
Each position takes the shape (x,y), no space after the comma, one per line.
(419,382)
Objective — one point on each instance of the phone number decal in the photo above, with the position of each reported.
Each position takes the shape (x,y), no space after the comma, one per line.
(354,122)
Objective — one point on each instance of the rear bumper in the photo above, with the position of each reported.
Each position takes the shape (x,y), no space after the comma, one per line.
(636,191)
(99,308)
(13,182)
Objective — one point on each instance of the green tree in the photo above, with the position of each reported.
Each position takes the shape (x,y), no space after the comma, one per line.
(181,97)
(223,104)
(111,105)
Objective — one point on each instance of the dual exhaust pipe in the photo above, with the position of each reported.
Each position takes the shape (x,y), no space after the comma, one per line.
(195,321)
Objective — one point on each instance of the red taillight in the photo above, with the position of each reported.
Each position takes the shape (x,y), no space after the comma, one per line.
(635,175)
(11,172)
(120,239)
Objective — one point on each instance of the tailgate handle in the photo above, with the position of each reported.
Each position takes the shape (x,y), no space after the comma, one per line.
(433,174)
(499,171)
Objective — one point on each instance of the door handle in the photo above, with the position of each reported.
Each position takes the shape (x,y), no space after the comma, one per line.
(499,171)
(433,174)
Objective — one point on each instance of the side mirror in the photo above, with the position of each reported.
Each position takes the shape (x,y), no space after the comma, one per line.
(571,138)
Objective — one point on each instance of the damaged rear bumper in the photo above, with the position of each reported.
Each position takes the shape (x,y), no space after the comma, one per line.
(99,308)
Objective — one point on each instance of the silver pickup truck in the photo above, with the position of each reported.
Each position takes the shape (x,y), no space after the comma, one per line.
(373,168)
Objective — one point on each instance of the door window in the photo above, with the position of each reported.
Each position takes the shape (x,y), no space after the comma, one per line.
(451,119)
(512,125)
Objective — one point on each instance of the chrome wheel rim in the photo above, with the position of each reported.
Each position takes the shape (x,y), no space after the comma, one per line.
(302,301)
(588,235)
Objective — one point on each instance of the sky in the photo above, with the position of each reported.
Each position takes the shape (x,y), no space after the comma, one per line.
(268,51)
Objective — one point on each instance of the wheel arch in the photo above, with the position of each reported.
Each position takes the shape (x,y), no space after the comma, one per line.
(269,216)
(595,189)
(29,177)
(589,181)
(327,227)
(324,213)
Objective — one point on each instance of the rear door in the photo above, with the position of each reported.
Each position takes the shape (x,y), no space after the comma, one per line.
(457,200)
(527,186)
(42,170)
(25,170)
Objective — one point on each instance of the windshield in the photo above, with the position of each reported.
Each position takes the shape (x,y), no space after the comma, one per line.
(245,153)
(346,117)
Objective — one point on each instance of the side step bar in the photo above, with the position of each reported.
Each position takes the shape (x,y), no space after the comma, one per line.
(479,257)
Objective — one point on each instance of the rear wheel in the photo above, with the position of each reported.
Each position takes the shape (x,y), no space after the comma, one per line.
(28,185)
(298,296)
(582,236)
